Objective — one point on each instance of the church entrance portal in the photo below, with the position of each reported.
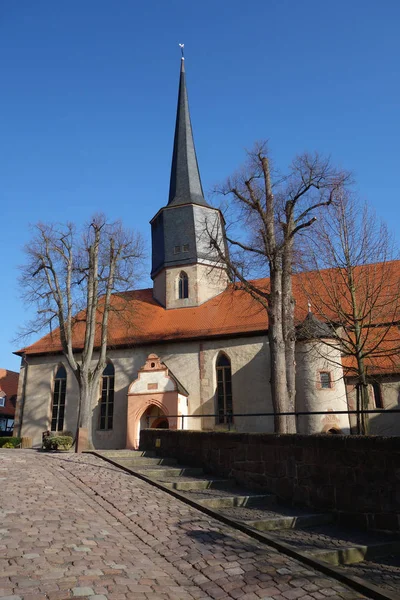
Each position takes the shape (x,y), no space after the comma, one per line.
(154,418)
(156,399)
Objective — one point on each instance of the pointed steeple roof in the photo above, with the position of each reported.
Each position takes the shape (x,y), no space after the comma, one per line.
(185,184)
(312,329)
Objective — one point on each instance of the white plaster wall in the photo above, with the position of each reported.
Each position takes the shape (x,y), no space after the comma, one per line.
(382,424)
(193,363)
(250,365)
(183,410)
(164,383)
(311,358)
(38,397)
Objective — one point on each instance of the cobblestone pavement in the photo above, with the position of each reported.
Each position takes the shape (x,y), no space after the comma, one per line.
(384,574)
(75,526)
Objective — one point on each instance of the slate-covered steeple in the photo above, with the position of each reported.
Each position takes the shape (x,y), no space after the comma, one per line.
(186,269)
(185,183)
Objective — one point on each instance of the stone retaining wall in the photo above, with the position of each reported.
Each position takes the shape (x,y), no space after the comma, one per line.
(356,477)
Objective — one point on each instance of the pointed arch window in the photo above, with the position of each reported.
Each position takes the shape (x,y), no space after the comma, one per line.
(224,390)
(107,398)
(183,285)
(58,404)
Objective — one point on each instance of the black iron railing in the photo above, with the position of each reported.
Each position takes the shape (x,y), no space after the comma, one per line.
(229,418)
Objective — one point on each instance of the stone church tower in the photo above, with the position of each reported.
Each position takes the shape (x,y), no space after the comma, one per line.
(186,270)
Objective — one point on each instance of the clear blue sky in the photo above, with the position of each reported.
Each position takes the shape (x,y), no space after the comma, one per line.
(88,98)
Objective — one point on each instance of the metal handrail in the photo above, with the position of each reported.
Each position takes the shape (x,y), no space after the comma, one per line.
(282,414)
(228,417)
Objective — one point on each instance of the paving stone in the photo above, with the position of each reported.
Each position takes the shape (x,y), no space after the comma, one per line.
(82,591)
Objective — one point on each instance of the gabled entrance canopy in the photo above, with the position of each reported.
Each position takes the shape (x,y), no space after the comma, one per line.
(152,397)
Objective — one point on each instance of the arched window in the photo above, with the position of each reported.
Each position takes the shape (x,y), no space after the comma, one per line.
(58,404)
(183,285)
(224,390)
(107,398)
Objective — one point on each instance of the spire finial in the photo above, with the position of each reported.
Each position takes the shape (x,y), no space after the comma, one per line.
(181,46)
(309,306)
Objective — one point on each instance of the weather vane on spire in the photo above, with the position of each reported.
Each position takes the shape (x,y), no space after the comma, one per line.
(181,46)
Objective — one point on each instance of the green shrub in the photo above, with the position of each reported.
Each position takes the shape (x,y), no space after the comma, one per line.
(14,441)
(67,433)
(8,445)
(57,442)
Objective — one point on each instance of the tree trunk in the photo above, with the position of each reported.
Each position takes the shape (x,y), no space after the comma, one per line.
(358,413)
(85,400)
(288,306)
(363,396)
(277,353)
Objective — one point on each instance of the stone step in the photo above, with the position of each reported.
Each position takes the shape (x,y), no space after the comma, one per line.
(144,461)
(217,502)
(336,545)
(285,522)
(383,572)
(189,484)
(114,454)
(161,472)
(356,554)
(275,516)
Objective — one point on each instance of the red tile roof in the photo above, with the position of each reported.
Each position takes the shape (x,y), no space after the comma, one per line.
(8,385)
(139,319)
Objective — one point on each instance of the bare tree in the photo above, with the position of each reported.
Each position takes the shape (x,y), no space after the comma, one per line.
(71,279)
(266,212)
(355,289)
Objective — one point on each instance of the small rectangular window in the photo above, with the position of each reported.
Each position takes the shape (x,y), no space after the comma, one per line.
(185,248)
(2,401)
(325,380)
(177,249)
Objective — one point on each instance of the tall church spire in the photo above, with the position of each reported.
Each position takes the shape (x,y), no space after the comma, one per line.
(185,184)
(185,271)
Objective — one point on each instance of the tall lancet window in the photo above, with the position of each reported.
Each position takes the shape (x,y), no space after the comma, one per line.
(58,405)
(224,390)
(183,290)
(107,398)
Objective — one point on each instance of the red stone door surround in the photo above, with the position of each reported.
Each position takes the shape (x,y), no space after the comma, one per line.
(153,387)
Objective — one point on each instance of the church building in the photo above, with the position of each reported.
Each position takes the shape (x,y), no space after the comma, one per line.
(197,355)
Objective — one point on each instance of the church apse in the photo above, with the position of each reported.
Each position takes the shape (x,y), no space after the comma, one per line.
(155,399)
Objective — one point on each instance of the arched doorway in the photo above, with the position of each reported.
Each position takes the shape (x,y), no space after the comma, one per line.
(154,417)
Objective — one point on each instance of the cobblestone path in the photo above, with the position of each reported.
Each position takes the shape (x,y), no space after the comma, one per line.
(74,526)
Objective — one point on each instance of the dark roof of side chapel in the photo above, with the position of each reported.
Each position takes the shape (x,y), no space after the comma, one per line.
(185,183)
(312,329)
